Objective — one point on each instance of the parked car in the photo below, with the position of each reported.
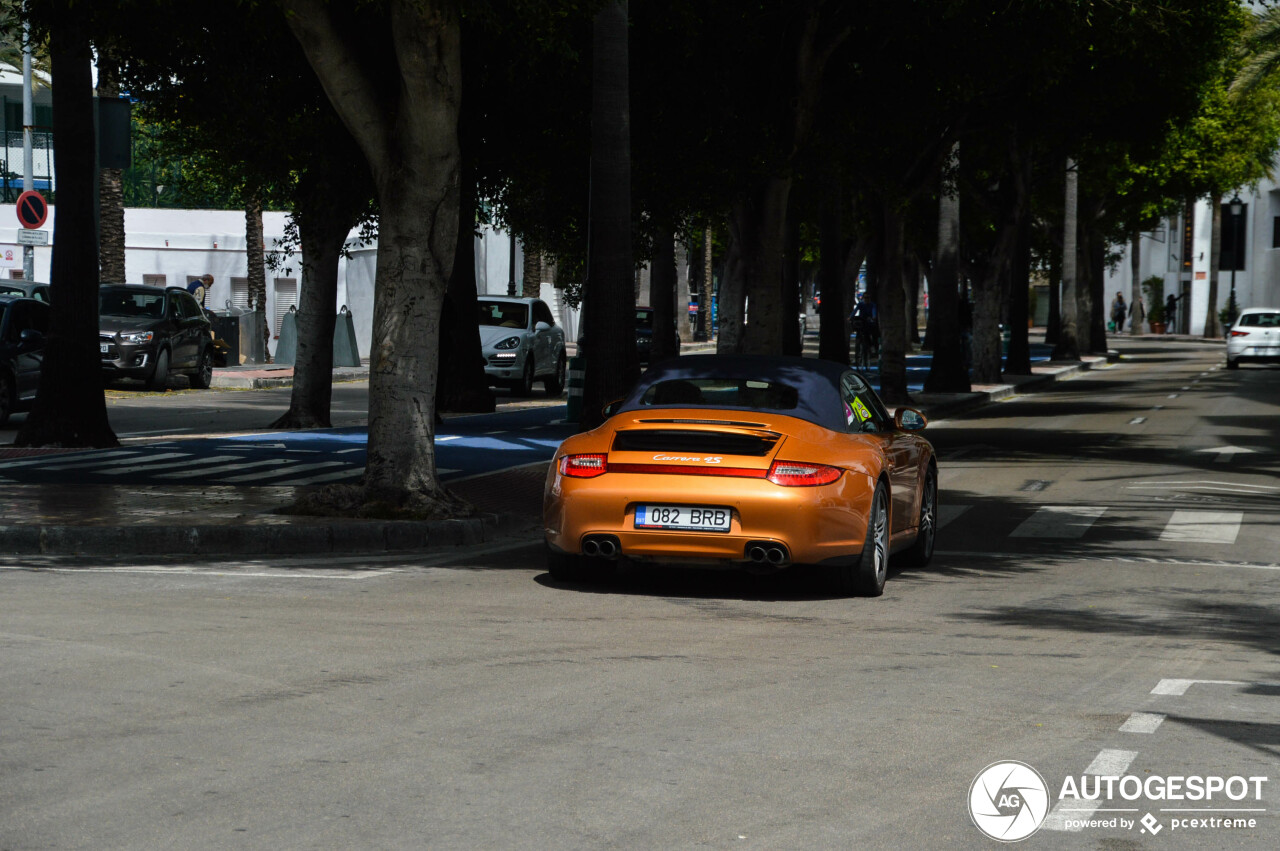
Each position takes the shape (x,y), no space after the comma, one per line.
(745,461)
(521,344)
(150,333)
(24,322)
(644,334)
(1254,337)
(23,289)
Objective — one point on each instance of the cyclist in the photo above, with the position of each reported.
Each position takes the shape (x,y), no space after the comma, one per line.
(865,322)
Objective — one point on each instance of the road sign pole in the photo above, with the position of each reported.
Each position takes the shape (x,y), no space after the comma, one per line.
(28,120)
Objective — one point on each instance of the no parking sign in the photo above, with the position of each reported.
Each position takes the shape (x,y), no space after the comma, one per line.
(32,209)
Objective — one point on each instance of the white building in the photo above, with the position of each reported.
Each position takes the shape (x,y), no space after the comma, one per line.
(1179,251)
(174,247)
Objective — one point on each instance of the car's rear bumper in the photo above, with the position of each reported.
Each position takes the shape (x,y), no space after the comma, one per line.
(817,525)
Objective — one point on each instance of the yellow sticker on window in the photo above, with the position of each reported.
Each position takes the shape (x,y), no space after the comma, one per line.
(861,410)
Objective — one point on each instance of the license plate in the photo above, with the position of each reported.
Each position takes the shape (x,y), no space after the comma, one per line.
(103,347)
(688,518)
(1269,351)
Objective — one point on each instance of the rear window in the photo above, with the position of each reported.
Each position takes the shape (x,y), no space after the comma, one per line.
(1261,320)
(722,392)
(124,302)
(11,291)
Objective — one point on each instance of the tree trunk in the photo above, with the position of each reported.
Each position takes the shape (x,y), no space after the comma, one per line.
(1095,307)
(110,191)
(463,385)
(531,275)
(1068,346)
(1018,358)
(255,250)
(789,284)
(1212,331)
(70,408)
(731,305)
(612,363)
(947,373)
(704,290)
(892,309)
(410,138)
(322,230)
(662,294)
(758,226)
(833,334)
(1137,312)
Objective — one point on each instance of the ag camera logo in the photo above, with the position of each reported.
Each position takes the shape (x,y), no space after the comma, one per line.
(1008,801)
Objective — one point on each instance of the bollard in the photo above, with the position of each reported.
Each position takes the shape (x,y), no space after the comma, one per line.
(287,345)
(345,350)
(576,375)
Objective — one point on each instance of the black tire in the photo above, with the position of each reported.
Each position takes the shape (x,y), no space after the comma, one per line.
(1233,364)
(920,553)
(866,576)
(554,384)
(7,397)
(524,387)
(159,379)
(566,568)
(203,376)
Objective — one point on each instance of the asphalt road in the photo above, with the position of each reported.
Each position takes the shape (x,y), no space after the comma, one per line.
(1103,602)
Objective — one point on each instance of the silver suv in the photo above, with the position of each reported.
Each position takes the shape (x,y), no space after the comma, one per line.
(521,344)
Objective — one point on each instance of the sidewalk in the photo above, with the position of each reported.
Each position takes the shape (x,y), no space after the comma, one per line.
(121,521)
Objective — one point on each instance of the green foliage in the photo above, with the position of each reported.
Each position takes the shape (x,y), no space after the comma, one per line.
(1153,289)
(168,173)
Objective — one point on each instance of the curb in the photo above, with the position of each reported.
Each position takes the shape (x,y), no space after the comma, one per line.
(965,403)
(348,537)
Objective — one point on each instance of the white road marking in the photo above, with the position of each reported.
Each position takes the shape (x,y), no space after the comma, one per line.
(148,466)
(41,460)
(1173,396)
(1231,487)
(337,476)
(196,571)
(85,463)
(1108,763)
(1204,527)
(1058,521)
(1142,722)
(287,471)
(1111,763)
(947,513)
(441,438)
(1177,688)
(1137,421)
(1223,454)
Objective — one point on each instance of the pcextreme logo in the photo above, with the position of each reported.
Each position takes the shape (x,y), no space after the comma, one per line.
(1008,801)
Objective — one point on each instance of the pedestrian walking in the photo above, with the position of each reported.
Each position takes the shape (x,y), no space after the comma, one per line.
(1170,313)
(1118,311)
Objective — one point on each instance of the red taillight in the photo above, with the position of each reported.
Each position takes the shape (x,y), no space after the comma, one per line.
(584,466)
(1239,333)
(793,474)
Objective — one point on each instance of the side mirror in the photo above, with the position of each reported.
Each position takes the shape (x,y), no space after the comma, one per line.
(30,340)
(909,419)
(541,326)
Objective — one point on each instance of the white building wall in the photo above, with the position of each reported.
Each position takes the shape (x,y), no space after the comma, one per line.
(185,244)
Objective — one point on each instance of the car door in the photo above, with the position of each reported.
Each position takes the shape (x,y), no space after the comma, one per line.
(186,333)
(26,315)
(544,339)
(867,415)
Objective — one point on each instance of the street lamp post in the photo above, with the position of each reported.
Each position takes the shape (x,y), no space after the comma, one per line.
(1237,206)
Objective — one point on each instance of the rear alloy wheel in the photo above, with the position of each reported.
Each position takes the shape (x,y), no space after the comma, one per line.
(919,554)
(203,376)
(554,384)
(6,397)
(160,374)
(866,576)
(524,386)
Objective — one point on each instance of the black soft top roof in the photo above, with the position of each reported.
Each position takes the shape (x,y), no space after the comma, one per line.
(817,383)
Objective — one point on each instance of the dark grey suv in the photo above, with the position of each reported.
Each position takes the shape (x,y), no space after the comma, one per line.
(150,333)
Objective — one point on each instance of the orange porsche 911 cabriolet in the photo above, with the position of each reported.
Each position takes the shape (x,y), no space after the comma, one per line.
(750,462)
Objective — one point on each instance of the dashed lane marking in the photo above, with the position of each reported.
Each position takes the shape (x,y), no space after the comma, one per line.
(1142,722)
(1204,527)
(1108,763)
(1177,687)
(1059,522)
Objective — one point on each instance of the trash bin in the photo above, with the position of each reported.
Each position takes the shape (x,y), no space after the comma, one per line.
(346,351)
(287,343)
(226,327)
(576,375)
